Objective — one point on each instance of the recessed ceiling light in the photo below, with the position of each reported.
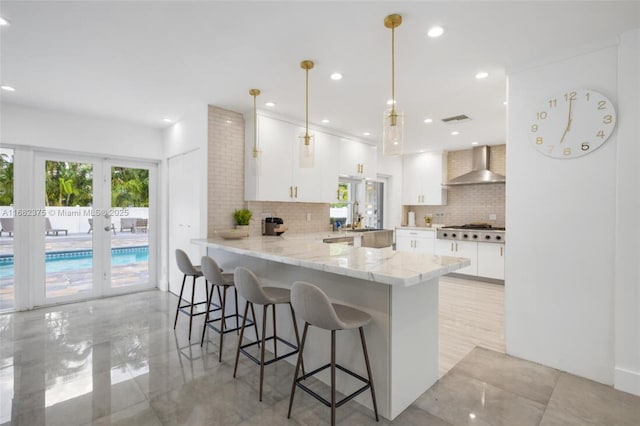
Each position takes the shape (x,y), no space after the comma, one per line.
(367,134)
(336,76)
(474,143)
(504,103)
(228,121)
(167,120)
(8,88)
(391,101)
(455,133)
(270,104)
(422,150)
(435,32)
(4,22)
(325,121)
(428,120)
(482,74)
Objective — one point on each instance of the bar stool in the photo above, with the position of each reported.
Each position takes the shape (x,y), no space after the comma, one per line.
(189,270)
(213,274)
(313,305)
(252,291)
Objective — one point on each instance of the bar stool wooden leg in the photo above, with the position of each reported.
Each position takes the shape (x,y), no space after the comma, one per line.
(295,375)
(264,332)
(333,377)
(366,360)
(244,321)
(175,323)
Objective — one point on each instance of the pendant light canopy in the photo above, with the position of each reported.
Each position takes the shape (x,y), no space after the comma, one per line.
(307,147)
(255,158)
(393,121)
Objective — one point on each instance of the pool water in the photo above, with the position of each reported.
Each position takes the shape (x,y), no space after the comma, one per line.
(82,259)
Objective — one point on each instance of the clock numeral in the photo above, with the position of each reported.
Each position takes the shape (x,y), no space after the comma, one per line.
(550,147)
(567,151)
(600,134)
(585,146)
(539,140)
(541,115)
(534,128)
(553,103)
(607,119)
(571,96)
(602,104)
(588,95)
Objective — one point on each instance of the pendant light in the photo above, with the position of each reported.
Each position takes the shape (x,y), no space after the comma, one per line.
(255,160)
(307,147)
(393,122)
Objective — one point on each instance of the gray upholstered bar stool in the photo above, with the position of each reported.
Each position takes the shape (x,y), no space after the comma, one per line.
(189,270)
(252,291)
(214,275)
(313,305)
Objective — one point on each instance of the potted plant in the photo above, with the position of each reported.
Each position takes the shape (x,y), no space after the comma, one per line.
(242,218)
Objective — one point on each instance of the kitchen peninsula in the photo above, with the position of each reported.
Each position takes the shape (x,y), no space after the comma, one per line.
(399,290)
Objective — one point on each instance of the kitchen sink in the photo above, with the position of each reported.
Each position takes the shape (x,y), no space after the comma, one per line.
(366,229)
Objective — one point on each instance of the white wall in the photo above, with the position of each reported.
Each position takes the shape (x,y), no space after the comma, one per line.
(560,274)
(627,248)
(189,135)
(56,130)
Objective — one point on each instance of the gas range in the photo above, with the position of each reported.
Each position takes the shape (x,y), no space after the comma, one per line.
(473,232)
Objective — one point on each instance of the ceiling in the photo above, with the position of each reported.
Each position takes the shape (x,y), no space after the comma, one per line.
(146,61)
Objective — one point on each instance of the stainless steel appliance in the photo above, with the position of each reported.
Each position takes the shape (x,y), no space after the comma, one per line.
(273,226)
(472,232)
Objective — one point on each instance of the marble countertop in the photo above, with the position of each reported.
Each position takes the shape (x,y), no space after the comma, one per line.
(384,265)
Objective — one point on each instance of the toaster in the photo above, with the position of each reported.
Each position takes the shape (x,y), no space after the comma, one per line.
(273,226)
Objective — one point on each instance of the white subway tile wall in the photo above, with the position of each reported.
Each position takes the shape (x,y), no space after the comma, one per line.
(293,214)
(468,203)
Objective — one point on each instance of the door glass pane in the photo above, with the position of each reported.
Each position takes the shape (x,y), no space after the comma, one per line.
(7,296)
(68,241)
(130,226)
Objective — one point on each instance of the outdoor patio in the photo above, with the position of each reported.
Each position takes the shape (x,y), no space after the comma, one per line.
(75,281)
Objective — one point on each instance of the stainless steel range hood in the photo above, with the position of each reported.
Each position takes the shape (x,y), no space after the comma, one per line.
(480,173)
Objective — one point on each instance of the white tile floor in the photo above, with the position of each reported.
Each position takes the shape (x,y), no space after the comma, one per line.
(119,361)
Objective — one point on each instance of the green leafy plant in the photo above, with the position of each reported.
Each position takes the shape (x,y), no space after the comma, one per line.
(242,216)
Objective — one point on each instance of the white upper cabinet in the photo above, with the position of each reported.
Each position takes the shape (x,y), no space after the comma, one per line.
(423,175)
(357,159)
(280,177)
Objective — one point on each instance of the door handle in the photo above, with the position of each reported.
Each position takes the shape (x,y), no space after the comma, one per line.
(501,251)
(291,192)
(296,193)
(451,247)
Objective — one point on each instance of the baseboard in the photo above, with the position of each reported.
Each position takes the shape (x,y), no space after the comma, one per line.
(627,380)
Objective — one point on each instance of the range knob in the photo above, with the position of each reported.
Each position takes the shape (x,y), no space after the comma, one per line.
(498,237)
(444,234)
(475,236)
(487,237)
(465,235)
(453,235)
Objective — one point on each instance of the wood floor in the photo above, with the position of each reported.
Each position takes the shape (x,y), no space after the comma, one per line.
(471,314)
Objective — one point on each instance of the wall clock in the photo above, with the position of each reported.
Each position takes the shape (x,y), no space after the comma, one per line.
(572,124)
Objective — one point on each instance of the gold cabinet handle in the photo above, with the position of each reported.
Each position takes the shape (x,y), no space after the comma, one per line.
(291,192)
(501,251)
(451,247)
(296,193)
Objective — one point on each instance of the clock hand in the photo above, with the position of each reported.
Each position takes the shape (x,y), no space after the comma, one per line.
(568,128)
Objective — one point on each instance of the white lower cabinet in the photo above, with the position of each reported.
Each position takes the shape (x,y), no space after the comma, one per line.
(491,260)
(415,241)
(466,249)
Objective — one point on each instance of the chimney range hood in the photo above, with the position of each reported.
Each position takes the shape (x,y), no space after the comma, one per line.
(480,173)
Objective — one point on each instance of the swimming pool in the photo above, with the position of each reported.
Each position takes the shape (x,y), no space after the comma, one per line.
(60,261)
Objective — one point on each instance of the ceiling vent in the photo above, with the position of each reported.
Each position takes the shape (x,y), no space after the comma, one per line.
(456,119)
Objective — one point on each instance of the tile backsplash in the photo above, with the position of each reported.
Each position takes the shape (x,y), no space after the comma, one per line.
(294,216)
(468,203)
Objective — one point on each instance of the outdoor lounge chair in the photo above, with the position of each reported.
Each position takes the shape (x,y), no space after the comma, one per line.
(127,223)
(6,226)
(140,225)
(113,227)
(56,232)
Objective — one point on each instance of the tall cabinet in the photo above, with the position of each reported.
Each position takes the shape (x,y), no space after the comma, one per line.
(423,175)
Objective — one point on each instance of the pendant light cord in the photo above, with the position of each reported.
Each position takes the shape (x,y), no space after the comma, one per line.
(393,71)
(307,106)
(255,128)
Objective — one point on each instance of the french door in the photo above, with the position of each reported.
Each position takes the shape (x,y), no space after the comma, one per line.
(95,227)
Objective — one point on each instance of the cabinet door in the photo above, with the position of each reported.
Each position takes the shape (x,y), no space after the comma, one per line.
(433,167)
(404,243)
(445,247)
(368,156)
(275,140)
(491,260)
(327,150)
(425,245)
(411,181)
(306,181)
(469,250)
(357,159)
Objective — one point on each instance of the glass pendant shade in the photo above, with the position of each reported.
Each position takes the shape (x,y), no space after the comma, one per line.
(392,132)
(307,149)
(256,160)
